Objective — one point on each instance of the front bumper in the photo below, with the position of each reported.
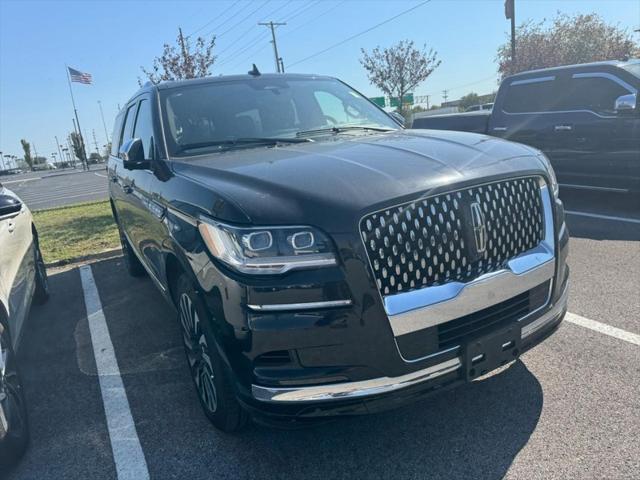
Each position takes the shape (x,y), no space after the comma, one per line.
(379,386)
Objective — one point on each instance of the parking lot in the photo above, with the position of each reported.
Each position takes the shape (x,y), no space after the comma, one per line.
(40,190)
(568,409)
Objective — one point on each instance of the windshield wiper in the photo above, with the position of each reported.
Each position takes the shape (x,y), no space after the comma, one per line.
(342,128)
(233,142)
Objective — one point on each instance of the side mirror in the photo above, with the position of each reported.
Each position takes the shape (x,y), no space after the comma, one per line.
(9,206)
(397,117)
(626,104)
(132,154)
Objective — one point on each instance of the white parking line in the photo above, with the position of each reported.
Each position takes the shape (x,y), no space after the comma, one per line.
(604,217)
(125,445)
(22,181)
(603,328)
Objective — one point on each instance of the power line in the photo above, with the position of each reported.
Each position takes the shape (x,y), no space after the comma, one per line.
(252,42)
(228,19)
(359,34)
(243,19)
(331,8)
(214,18)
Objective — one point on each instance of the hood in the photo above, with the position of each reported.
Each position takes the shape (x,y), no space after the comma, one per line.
(330,182)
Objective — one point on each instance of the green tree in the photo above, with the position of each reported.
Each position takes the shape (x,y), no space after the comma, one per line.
(28,159)
(179,62)
(399,69)
(566,40)
(469,100)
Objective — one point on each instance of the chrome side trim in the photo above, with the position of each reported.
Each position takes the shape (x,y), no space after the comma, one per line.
(347,390)
(593,187)
(427,307)
(528,81)
(547,317)
(279,307)
(608,76)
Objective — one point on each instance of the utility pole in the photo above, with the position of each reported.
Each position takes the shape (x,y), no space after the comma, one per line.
(59,149)
(106,133)
(445,95)
(272,25)
(510,13)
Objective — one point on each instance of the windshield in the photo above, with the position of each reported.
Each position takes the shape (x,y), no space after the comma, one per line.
(201,118)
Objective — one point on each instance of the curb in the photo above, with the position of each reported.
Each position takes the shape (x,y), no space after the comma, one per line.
(115,252)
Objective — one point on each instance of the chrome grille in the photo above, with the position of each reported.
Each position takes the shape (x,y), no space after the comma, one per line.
(435,240)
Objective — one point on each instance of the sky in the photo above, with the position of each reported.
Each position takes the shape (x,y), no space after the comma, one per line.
(111,40)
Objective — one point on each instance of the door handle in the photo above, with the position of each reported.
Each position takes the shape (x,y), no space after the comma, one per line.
(563,128)
(11,227)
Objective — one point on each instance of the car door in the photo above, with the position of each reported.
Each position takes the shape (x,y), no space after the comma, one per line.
(17,265)
(152,211)
(520,112)
(131,186)
(594,146)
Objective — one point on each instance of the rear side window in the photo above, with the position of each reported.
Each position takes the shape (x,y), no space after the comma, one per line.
(144,128)
(595,93)
(128,124)
(531,95)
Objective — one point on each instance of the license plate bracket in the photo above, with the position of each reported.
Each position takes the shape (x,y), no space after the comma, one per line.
(492,351)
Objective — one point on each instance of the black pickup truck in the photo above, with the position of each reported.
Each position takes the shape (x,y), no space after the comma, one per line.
(585,118)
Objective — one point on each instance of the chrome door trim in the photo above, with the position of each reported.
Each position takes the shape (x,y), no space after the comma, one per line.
(348,390)
(419,309)
(528,81)
(608,76)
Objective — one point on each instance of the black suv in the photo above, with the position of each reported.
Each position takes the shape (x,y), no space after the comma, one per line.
(323,260)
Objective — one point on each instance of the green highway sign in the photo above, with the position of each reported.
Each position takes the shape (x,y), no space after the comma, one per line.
(378,101)
(407,100)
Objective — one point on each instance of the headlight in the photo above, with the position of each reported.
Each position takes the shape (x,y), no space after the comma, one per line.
(267,250)
(552,175)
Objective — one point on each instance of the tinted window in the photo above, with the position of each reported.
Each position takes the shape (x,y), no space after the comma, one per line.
(144,128)
(196,115)
(597,94)
(525,97)
(128,125)
(115,137)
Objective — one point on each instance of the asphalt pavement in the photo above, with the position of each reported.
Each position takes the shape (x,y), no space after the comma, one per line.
(57,188)
(568,409)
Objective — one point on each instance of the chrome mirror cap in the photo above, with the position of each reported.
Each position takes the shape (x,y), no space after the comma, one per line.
(626,103)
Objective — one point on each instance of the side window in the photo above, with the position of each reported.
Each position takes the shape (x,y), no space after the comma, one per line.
(128,124)
(531,95)
(595,93)
(115,137)
(144,128)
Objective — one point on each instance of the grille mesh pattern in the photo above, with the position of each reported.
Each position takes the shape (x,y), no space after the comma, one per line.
(430,241)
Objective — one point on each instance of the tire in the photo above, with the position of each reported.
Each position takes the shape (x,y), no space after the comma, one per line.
(14,424)
(212,382)
(131,261)
(41,294)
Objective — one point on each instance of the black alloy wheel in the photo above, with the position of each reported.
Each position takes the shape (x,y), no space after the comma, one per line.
(212,382)
(14,425)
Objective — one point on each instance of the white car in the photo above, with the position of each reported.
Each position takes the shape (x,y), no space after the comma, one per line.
(23,279)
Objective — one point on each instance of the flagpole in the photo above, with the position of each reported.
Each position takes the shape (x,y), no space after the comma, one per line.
(75,111)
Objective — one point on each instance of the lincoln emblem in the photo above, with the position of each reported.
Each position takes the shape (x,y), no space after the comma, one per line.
(479,227)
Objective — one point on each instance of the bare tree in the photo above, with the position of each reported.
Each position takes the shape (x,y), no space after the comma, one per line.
(26,146)
(567,40)
(179,62)
(399,69)
(78,150)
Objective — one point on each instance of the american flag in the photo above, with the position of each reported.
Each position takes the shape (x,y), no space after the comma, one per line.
(79,77)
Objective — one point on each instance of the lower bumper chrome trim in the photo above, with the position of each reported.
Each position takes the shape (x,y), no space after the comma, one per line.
(552,314)
(281,307)
(364,388)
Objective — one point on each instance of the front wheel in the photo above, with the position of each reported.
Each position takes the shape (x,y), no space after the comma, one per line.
(212,382)
(14,427)
(131,261)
